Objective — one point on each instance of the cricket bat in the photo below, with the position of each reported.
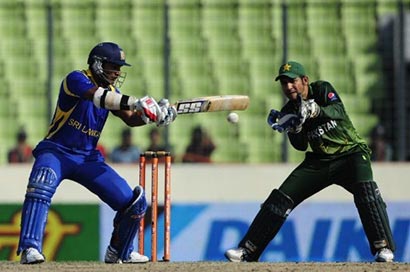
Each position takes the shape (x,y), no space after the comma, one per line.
(212,104)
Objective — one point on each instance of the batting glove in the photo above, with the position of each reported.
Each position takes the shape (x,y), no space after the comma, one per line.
(168,113)
(149,109)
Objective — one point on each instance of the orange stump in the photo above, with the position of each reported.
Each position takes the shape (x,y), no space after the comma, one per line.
(154,203)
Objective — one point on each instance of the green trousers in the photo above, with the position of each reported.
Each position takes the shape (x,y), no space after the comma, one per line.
(314,174)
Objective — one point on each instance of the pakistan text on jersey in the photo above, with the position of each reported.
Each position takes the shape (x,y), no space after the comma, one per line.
(322,129)
(83,128)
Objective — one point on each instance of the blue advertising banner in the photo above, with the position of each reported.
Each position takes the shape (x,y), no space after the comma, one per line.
(325,232)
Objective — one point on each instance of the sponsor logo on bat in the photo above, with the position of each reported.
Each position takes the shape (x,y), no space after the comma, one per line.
(191,106)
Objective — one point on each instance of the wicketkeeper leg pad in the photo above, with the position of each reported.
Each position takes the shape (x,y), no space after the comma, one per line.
(126,224)
(266,224)
(40,190)
(373,214)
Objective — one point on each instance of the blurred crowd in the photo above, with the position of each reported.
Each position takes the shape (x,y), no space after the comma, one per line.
(199,150)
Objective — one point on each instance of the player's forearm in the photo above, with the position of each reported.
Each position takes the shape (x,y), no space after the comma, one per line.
(298,141)
(135,121)
(131,118)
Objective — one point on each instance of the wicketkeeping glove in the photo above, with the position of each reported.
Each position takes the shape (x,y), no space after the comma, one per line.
(307,109)
(168,113)
(149,109)
(284,122)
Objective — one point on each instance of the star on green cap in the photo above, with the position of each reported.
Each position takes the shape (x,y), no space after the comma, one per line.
(291,69)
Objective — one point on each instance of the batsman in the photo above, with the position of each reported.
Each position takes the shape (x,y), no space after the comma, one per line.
(315,116)
(68,151)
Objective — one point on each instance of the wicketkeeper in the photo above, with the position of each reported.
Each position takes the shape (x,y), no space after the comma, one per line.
(315,116)
(69,152)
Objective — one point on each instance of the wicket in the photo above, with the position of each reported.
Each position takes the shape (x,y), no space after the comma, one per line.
(154,155)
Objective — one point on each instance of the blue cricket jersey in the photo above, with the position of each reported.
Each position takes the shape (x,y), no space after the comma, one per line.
(77,123)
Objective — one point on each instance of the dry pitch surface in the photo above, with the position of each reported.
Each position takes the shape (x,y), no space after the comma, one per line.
(204,267)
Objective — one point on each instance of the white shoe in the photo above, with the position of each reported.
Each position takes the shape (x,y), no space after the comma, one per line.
(111,256)
(31,256)
(135,257)
(384,255)
(236,255)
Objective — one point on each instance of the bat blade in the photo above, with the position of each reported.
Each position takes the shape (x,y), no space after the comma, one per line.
(212,104)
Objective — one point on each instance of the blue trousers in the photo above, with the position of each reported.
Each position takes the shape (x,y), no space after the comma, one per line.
(90,170)
(51,167)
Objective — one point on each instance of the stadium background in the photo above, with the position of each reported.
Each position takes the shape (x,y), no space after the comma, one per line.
(188,48)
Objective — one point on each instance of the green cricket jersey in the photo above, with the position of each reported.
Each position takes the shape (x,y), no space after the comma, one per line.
(331,134)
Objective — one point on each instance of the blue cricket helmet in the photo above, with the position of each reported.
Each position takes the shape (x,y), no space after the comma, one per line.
(107,52)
